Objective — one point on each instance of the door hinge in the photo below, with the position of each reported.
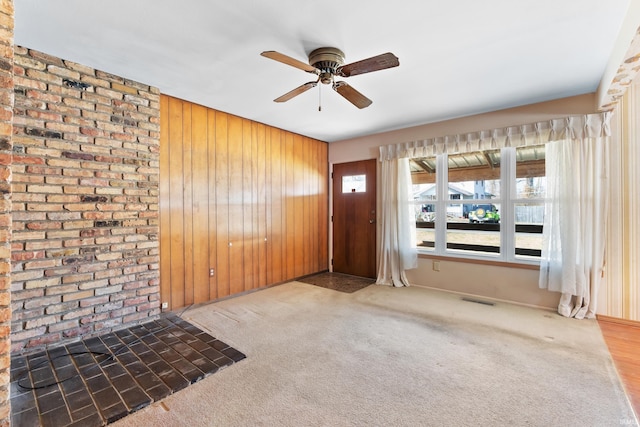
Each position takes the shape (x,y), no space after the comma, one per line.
(331,218)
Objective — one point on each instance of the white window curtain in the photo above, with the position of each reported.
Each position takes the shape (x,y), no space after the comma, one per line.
(398,250)
(576,210)
(583,141)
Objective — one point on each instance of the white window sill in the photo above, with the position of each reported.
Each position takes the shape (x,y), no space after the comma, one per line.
(526,265)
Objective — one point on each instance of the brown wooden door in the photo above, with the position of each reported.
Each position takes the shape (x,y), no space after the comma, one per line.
(354,218)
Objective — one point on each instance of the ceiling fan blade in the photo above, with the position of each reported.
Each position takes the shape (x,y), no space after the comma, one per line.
(352,95)
(380,62)
(280,57)
(297,91)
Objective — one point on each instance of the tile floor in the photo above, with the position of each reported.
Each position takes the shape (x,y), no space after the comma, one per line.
(338,281)
(99,380)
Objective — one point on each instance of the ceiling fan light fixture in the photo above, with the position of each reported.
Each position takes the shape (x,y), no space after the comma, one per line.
(326,77)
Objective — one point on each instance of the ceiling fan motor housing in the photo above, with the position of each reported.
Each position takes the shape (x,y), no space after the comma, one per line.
(327,60)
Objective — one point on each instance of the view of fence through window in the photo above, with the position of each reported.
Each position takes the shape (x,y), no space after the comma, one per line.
(529,200)
(476,198)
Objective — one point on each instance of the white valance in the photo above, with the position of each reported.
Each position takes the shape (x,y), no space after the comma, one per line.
(574,127)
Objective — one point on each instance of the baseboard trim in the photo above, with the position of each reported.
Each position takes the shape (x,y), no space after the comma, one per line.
(484,297)
(618,320)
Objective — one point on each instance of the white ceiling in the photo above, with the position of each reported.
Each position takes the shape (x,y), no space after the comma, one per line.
(457,58)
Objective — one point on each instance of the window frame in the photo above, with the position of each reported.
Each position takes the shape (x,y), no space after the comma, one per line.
(507,201)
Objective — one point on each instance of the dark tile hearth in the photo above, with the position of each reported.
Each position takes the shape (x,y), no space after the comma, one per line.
(338,281)
(99,380)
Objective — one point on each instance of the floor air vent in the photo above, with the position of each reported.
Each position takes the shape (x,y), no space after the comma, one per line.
(477,301)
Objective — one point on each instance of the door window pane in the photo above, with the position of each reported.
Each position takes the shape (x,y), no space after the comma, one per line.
(354,184)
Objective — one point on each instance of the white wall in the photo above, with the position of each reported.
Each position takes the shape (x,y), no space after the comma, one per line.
(488,281)
(349,150)
(516,285)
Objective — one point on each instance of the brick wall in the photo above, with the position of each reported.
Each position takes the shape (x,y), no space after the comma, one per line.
(6,117)
(85,201)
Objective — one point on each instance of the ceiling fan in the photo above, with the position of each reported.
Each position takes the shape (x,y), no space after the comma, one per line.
(327,63)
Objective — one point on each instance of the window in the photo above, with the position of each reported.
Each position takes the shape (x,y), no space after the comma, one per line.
(354,184)
(481,204)
(423,175)
(528,204)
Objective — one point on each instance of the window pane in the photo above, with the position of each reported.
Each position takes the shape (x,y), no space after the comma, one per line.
(529,219)
(425,234)
(483,213)
(473,228)
(530,172)
(474,175)
(425,214)
(423,176)
(354,184)
(423,170)
(424,192)
(530,184)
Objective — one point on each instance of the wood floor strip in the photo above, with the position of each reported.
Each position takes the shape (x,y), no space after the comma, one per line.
(623,340)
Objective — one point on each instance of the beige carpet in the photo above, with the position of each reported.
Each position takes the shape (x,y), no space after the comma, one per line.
(395,357)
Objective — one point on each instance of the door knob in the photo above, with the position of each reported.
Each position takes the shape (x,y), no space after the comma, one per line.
(372,221)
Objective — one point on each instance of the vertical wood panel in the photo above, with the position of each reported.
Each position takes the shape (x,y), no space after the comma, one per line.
(323,223)
(226,184)
(212,219)
(298,206)
(236,222)
(222,204)
(255,207)
(187,204)
(311,196)
(315,200)
(164,205)
(306,200)
(176,203)
(277,213)
(289,208)
(261,184)
(268,208)
(200,190)
(247,205)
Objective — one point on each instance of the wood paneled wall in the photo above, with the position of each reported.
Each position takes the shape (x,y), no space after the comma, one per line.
(245,199)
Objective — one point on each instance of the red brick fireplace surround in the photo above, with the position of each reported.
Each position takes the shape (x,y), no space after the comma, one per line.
(85,201)
(6,120)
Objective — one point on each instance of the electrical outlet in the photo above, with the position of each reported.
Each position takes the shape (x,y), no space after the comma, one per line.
(436,265)
(212,272)
(165,305)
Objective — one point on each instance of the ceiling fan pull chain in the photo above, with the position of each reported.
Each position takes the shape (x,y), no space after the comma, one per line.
(319,97)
